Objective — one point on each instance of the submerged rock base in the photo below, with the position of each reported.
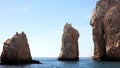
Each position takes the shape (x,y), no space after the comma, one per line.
(106,58)
(69,59)
(14,62)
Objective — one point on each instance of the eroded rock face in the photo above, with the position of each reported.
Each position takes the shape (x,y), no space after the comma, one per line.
(69,49)
(105,23)
(16,50)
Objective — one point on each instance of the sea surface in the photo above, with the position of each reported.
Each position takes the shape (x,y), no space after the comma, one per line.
(84,62)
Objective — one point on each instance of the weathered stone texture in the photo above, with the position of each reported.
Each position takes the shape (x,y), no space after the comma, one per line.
(105,23)
(16,50)
(69,50)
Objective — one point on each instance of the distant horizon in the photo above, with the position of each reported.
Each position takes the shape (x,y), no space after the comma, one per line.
(43,23)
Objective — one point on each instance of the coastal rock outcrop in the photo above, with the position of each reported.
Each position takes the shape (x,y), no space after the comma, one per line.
(105,24)
(16,50)
(69,49)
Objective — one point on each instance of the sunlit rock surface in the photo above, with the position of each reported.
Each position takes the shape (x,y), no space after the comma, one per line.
(16,50)
(69,49)
(105,24)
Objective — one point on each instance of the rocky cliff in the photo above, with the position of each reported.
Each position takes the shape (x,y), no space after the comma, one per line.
(16,50)
(69,49)
(105,24)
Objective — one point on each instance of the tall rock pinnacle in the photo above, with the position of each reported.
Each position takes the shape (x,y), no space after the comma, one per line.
(69,49)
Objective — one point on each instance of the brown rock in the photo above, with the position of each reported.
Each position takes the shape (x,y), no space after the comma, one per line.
(16,50)
(105,23)
(69,49)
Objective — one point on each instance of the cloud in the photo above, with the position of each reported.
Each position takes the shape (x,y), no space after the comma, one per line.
(87,16)
(15,10)
(24,10)
(52,35)
(40,38)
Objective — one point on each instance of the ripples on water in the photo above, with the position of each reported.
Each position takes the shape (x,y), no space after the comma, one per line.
(54,63)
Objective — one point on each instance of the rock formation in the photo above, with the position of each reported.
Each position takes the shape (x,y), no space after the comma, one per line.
(105,24)
(69,49)
(16,50)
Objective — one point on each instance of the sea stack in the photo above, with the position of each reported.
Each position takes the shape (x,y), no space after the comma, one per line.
(69,49)
(105,24)
(16,50)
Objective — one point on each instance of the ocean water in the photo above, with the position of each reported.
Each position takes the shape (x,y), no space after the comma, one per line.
(84,62)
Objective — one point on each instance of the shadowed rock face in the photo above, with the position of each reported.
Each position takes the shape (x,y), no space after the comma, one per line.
(105,23)
(69,50)
(16,50)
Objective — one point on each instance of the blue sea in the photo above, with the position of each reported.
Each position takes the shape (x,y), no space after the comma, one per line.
(84,62)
